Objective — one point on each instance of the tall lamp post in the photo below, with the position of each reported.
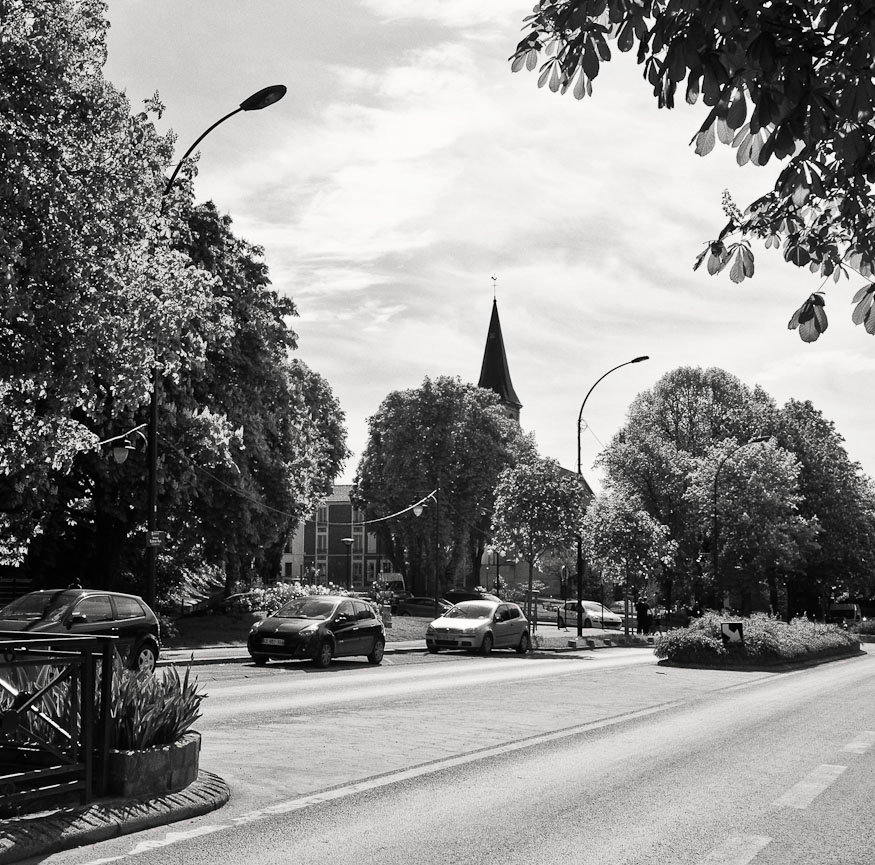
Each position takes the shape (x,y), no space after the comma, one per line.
(155,539)
(417,511)
(348,542)
(715,531)
(580,474)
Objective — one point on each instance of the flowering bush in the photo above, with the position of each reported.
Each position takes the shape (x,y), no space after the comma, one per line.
(270,598)
(765,639)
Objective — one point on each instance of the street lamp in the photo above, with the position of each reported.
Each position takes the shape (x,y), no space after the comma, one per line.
(715,553)
(348,542)
(580,474)
(154,539)
(417,511)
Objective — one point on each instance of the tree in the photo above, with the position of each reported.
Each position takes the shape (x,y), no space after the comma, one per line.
(749,514)
(786,79)
(446,436)
(624,542)
(834,491)
(669,430)
(81,179)
(538,509)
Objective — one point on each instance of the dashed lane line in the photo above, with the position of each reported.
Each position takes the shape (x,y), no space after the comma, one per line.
(862,743)
(736,850)
(801,795)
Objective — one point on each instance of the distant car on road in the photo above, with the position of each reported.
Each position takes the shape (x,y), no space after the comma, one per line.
(421,607)
(319,628)
(481,625)
(845,614)
(455,596)
(90,611)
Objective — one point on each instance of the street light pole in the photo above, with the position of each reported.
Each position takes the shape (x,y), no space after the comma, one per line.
(264,97)
(348,542)
(715,524)
(580,474)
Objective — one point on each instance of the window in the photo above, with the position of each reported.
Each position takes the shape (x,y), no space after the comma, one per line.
(287,569)
(346,609)
(357,536)
(128,608)
(356,572)
(365,611)
(372,571)
(321,541)
(95,609)
(322,514)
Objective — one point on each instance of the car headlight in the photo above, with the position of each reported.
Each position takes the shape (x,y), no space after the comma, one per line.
(429,630)
(468,632)
(309,630)
(255,626)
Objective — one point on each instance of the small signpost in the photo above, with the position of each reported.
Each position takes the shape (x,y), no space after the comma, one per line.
(732,633)
(156,539)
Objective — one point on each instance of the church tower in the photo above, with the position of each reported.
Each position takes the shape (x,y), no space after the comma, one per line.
(494,373)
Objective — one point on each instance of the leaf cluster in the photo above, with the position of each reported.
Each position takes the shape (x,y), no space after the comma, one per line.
(790,80)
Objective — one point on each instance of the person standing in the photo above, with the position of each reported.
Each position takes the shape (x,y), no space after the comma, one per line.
(642,611)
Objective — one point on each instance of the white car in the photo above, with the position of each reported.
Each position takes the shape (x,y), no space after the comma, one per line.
(595,615)
(480,625)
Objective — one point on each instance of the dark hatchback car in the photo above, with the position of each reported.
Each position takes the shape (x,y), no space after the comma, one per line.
(422,607)
(319,628)
(89,611)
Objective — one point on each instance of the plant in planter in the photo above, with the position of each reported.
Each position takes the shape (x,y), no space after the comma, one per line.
(154,749)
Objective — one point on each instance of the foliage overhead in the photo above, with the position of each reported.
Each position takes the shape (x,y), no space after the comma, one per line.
(790,79)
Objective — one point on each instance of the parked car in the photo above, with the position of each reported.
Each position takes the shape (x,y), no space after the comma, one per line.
(483,625)
(319,628)
(90,611)
(845,614)
(421,607)
(595,615)
(455,596)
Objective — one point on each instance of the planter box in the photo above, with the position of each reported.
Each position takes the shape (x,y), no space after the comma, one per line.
(155,771)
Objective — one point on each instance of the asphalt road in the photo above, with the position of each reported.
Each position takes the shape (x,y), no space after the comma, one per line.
(584,758)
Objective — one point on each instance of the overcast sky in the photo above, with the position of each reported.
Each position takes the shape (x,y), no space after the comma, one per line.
(408,165)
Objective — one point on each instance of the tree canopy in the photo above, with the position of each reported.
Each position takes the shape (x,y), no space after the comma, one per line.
(445,434)
(100,284)
(790,79)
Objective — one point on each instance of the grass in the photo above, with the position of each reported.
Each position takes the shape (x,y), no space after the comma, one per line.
(231,629)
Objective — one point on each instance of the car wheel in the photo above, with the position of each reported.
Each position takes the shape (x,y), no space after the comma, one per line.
(486,645)
(324,655)
(376,656)
(433,650)
(525,643)
(144,659)
(587,623)
(560,622)
(260,660)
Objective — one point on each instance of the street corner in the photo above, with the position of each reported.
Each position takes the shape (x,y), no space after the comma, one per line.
(65,828)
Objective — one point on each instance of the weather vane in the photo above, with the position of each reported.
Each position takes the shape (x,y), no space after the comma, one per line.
(494,284)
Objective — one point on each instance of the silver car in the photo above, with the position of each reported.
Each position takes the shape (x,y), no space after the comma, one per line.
(480,625)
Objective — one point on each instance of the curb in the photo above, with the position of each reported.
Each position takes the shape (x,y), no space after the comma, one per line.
(44,834)
(237,656)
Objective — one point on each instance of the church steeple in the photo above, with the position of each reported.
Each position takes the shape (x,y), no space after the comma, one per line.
(494,373)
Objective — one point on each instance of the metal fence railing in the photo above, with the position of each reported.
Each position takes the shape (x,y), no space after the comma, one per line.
(55,693)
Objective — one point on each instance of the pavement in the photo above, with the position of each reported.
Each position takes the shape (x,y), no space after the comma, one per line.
(41,834)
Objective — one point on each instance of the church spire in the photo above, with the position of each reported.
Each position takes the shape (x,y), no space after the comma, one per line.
(494,373)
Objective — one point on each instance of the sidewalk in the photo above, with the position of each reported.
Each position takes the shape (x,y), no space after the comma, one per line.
(65,828)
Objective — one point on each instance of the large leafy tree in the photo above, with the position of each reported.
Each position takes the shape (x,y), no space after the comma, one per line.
(790,80)
(836,493)
(103,278)
(539,507)
(80,180)
(447,436)
(747,501)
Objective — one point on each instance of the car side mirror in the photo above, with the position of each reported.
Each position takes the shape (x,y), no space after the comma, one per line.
(77,619)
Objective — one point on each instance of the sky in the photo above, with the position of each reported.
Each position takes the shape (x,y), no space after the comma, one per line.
(407,166)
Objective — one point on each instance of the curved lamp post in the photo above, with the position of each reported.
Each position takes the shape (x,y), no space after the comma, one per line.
(580,474)
(417,511)
(155,539)
(715,553)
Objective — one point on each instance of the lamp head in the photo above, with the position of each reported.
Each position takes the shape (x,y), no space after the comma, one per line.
(639,359)
(121,449)
(347,541)
(418,509)
(266,96)
(756,439)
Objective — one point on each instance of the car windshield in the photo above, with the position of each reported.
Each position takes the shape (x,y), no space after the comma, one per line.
(471,610)
(844,612)
(306,608)
(48,606)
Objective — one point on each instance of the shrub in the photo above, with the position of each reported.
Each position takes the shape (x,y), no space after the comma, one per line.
(867,627)
(765,639)
(149,710)
(270,598)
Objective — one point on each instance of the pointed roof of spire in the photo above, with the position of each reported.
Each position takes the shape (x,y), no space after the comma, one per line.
(494,374)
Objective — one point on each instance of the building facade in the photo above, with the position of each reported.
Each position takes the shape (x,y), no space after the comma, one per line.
(333,546)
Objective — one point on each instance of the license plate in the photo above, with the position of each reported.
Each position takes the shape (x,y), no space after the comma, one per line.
(273,641)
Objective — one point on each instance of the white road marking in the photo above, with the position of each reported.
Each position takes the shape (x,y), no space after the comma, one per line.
(801,795)
(736,850)
(862,743)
